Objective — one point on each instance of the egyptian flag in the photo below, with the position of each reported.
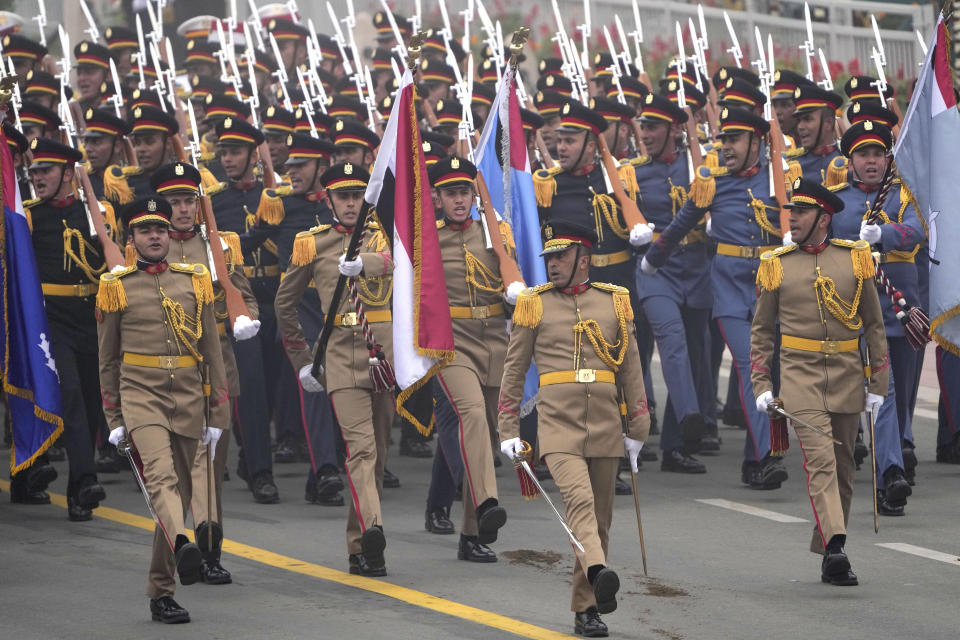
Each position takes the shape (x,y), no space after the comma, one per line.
(400,191)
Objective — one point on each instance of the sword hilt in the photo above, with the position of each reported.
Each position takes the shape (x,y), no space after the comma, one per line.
(524,455)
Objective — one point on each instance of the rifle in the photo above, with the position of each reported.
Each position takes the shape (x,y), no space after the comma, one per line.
(880,61)
(41,20)
(807,46)
(509,271)
(735,51)
(695,153)
(637,35)
(778,187)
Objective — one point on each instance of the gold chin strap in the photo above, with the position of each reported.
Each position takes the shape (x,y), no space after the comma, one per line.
(79,257)
(845,312)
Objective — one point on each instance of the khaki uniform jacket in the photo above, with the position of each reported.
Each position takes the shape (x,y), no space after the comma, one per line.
(194,251)
(131,320)
(316,254)
(818,380)
(481,340)
(577,418)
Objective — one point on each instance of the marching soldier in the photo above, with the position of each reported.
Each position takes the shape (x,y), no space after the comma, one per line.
(897,235)
(677,299)
(122,43)
(26,54)
(785,84)
(163,383)
(179,185)
(93,69)
(44,88)
(737,195)
(815,290)
(816,121)
(103,143)
(278,123)
(39,122)
(365,414)
(573,321)
(18,146)
(70,264)
(151,132)
(467,388)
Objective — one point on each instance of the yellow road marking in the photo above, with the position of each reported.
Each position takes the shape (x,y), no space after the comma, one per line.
(403,594)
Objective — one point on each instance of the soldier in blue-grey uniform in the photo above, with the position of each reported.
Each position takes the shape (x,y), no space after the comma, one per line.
(816,137)
(744,222)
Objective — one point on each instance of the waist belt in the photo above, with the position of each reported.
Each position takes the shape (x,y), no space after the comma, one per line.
(477,313)
(351,319)
(578,375)
(71,290)
(820,346)
(607,259)
(264,271)
(159,362)
(738,251)
(893,257)
(694,236)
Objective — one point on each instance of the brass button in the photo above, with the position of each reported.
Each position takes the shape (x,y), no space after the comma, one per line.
(588,395)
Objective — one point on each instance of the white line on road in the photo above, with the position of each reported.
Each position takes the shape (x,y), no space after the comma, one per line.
(921,551)
(751,510)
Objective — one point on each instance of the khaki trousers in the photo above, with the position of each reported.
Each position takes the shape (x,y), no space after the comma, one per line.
(200,501)
(365,418)
(167,461)
(587,488)
(830,469)
(476,409)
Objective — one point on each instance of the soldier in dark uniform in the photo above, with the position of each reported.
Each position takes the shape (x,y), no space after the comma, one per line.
(281,215)
(70,265)
(278,123)
(151,132)
(44,88)
(26,54)
(18,149)
(103,142)
(37,121)
(353,142)
(93,69)
(785,83)
(816,138)
(122,43)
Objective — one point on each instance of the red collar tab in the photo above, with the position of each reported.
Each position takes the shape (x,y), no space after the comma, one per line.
(576,289)
(244,185)
(668,158)
(316,196)
(342,228)
(62,203)
(824,150)
(866,188)
(152,267)
(182,235)
(749,173)
(815,249)
(459,226)
(583,171)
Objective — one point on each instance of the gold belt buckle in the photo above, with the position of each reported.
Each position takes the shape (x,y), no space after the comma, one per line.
(586,375)
(600,260)
(746,252)
(349,319)
(479,313)
(830,346)
(80,290)
(169,362)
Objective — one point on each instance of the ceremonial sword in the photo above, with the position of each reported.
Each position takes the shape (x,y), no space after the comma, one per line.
(777,407)
(125,446)
(522,462)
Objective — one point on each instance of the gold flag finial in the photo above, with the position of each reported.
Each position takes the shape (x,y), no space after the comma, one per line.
(517,43)
(413,49)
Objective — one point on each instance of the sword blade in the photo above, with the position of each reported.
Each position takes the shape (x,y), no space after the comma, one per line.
(563,523)
(805,424)
(126,448)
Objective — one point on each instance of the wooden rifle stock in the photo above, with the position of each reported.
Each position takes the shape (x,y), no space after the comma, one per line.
(894,106)
(236,306)
(269,177)
(779,179)
(430,113)
(693,141)
(545,156)
(635,127)
(631,212)
(111,252)
(509,271)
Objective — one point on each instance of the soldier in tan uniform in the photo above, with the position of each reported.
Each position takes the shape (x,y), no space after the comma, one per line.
(467,388)
(179,184)
(580,335)
(364,415)
(162,380)
(822,294)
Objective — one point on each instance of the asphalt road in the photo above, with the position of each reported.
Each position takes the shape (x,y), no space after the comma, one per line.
(718,570)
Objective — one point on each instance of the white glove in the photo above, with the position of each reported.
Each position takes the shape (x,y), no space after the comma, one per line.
(119,267)
(873,404)
(641,234)
(351,268)
(788,238)
(633,448)
(209,438)
(116,435)
(870,232)
(244,328)
(308,382)
(511,447)
(514,289)
(764,400)
(710,227)
(646,267)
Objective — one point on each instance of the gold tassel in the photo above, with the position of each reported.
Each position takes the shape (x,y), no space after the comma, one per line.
(836,172)
(131,170)
(629,177)
(115,185)
(111,295)
(529,310)
(233,246)
(110,219)
(712,159)
(304,249)
(544,186)
(207,179)
(26,212)
(129,254)
(203,286)
(770,273)
(794,171)
(621,303)
(507,236)
(270,209)
(863,266)
(703,188)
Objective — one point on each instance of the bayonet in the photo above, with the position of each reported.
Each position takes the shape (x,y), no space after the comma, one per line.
(141,54)
(827,82)
(117,97)
(735,51)
(807,46)
(257,25)
(91,29)
(876,35)
(41,20)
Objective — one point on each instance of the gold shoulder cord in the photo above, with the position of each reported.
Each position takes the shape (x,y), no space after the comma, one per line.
(760,215)
(839,308)
(678,196)
(605,208)
(480,277)
(69,235)
(187,329)
(600,346)
(384,284)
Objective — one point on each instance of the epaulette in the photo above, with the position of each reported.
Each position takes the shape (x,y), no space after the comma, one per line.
(110,219)
(131,170)
(793,172)
(202,284)
(111,295)
(795,152)
(208,156)
(621,299)
(836,172)
(860,254)
(270,209)
(770,272)
(628,176)
(232,241)
(213,190)
(32,203)
(529,310)
(545,185)
(26,211)
(305,247)
(704,185)
(711,158)
(207,179)
(639,161)
(115,185)
(838,187)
